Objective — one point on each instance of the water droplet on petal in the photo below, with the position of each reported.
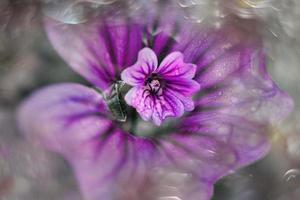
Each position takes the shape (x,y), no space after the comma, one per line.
(293,144)
(170,198)
(101,2)
(67,11)
(73,12)
(253,108)
(186,3)
(234,100)
(292,175)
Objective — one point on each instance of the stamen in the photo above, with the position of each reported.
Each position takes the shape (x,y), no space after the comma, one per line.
(153,84)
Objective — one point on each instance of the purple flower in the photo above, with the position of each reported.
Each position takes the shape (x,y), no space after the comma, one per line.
(211,83)
(160,91)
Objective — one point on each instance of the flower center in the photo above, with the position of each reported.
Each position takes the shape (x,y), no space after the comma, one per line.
(153,84)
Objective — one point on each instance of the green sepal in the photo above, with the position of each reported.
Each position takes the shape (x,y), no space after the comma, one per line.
(115,101)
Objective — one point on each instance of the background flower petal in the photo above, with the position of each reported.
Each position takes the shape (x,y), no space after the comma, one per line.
(61,117)
(96,50)
(248,92)
(115,161)
(173,65)
(246,141)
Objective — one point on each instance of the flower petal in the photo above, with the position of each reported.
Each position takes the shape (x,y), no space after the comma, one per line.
(154,107)
(187,101)
(148,60)
(224,66)
(249,93)
(167,105)
(116,161)
(145,65)
(140,100)
(203,156)
(96,50)
(62,116)
(182,86)
(244,141)
(174,66)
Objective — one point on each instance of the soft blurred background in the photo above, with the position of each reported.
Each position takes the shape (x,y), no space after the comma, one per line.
(28,62)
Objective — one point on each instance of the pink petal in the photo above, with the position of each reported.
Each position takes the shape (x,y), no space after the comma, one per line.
(174,66)
(145,65)
(140,100)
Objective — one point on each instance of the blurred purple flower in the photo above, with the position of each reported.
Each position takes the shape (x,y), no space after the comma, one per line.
(224,127)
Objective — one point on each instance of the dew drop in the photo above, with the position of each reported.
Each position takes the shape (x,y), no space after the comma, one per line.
(102,2)
(65,11)
(253,108)
(170,198)
(186,3)
(293,144)
(292,175)
(234,100)
(73,12)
